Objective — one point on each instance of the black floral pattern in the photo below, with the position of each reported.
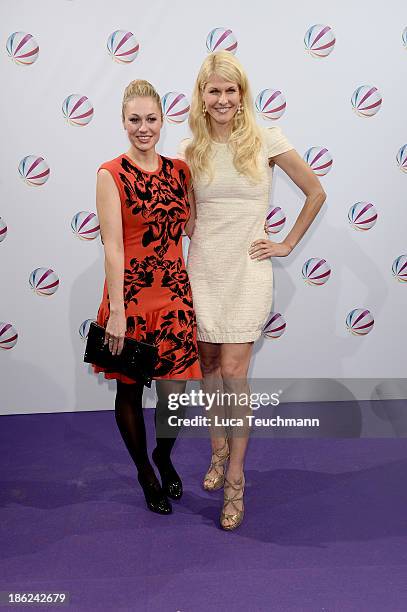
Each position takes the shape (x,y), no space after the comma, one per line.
(160,201)
(174,338)
(155,271)
(141,275)
(137,277)
(176,279)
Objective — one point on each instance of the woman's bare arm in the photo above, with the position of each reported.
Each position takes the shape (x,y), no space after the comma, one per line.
(109,213)
(302,175)
(190,224)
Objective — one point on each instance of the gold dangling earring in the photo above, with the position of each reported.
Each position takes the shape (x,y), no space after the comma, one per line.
(203,109)
(239,109)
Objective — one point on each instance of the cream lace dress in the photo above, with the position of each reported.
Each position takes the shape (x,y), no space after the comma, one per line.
(232,293)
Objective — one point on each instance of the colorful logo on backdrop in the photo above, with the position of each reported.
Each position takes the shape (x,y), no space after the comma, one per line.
(84,328)
(271,103)
(3,229)
(123,46)
(8,336)
(275,220)
(402,158)
(275,326)
(316,271)
(85,225)
(44,281)
(77,109)
(362,215)
(359,321)
(34,170)
(319,40)
(366,100)
(221,39)
(22,48)
(175,107)
(399,268)
(320,160)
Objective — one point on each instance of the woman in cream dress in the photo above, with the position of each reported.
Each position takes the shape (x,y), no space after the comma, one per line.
(229,262)
(233,292)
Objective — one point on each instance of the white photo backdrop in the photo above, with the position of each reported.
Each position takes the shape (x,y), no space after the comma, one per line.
(331,76)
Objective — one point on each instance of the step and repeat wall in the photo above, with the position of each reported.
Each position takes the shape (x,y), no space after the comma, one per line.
(330,76)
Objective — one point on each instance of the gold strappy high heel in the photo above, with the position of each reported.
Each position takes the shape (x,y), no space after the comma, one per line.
(219,458)
(235,519)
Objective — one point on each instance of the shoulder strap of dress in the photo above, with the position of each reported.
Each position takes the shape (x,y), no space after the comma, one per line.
(114,168)
(113,165)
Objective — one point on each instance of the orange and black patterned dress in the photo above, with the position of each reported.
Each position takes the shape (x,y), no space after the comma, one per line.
(157,294)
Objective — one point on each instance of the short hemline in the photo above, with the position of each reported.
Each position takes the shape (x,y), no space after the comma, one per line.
(128,380)
(228,337)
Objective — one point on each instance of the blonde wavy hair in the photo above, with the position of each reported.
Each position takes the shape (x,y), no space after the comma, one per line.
(245,139)
(140,89)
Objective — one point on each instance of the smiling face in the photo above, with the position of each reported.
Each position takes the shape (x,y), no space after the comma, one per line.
(221,99)
(142,122)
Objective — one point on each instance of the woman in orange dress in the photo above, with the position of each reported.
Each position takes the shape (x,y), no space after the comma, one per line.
(143,209)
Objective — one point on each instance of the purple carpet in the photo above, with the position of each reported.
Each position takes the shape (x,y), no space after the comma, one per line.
(325,526)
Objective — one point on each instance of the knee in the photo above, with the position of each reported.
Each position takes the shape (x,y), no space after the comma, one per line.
(128,395)
(210,366)
(233,368)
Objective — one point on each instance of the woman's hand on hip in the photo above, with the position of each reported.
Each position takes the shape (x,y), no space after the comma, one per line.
(264,248)
(115,332)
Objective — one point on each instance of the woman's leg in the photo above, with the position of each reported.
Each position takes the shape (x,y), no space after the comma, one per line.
(130,421)
(209,356)
(235,360)
(166,435)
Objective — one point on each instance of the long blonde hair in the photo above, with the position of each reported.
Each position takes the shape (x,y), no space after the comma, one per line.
(245,138)
(140,89)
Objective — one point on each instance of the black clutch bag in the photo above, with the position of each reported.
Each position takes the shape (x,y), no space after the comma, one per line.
(137,359)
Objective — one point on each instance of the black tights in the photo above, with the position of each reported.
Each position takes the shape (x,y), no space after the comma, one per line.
(130,421)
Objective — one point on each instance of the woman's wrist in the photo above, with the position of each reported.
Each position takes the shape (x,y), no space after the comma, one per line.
(117,309)
(288,244)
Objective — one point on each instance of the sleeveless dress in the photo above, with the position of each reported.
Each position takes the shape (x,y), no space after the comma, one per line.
(157,294)
(232,292)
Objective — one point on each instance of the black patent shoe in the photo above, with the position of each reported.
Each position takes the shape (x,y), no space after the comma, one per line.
(156,499)
(171,482)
